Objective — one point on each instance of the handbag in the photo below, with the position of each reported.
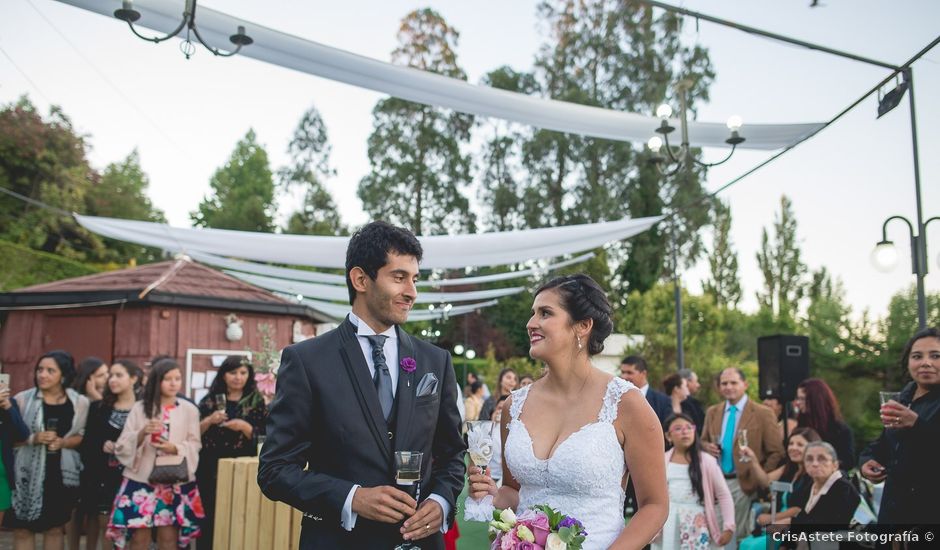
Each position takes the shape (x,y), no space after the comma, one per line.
(169,470)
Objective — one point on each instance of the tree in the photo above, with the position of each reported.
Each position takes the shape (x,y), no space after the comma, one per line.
(242,191)
(500,169)
(44,159)
(781,265)
(310,167)
(616,55)
(723,285)
(418,168)
(121,192)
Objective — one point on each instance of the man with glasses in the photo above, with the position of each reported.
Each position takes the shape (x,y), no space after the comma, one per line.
(721,438)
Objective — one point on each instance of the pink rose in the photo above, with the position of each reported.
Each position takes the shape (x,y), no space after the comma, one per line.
(528,546)
(508,541)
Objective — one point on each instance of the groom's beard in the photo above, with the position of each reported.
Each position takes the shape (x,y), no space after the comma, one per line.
(384,307)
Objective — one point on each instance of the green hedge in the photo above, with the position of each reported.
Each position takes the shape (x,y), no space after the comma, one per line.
(25,267)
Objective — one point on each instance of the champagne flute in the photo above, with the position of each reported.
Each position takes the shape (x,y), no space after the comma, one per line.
(742,442)
(221,400)
(51,425)
(481,443)
(408,479)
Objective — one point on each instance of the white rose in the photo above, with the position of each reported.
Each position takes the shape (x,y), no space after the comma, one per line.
(554,542)
(508,517)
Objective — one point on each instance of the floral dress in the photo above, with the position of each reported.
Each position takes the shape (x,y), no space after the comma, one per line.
(686,527)
(219,442)
(144,506)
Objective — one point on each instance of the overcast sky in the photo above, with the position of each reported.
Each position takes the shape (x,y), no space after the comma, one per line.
(186,116)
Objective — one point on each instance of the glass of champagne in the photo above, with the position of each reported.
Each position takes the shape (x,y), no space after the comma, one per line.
(221,400)
(886,396)
(408,479)
(480,443)
(742,442)
(51,425)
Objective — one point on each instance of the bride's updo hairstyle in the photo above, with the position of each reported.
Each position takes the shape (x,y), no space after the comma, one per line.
(584,299)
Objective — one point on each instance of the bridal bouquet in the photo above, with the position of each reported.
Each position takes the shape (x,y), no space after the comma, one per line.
(539,528)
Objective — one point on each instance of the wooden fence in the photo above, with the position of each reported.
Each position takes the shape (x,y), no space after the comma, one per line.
(244,518)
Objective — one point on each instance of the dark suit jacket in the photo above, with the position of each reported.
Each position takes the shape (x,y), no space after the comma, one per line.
(693,407)
(325,433)
(661,403)
(835,508)
(764,436)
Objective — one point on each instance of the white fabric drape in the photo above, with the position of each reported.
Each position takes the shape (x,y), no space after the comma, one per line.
(440,251)
(334,279)
(338,311)
(431,89)
(340,293)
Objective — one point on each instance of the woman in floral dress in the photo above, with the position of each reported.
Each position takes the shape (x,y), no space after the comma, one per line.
(161,429)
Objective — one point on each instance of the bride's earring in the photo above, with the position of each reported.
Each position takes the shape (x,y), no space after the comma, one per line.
(578,336)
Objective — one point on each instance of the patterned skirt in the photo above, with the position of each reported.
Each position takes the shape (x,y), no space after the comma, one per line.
(144,506)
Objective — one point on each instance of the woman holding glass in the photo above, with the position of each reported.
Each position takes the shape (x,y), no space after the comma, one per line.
(232,416)
(48,465)
(905,454)
(159,448)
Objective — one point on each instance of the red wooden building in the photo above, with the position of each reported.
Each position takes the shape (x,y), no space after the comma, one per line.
(178,308)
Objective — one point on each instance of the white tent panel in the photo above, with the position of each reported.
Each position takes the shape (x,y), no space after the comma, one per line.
(334,279)
(339,311)
(440,251)
(428,88)
(335,292)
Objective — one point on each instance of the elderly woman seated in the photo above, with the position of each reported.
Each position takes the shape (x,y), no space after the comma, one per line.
(830,500)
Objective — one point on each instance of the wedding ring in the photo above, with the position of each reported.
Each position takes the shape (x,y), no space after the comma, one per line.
(427,527)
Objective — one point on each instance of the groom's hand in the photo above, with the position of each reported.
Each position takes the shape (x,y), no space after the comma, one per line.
(385,504)
(425,522)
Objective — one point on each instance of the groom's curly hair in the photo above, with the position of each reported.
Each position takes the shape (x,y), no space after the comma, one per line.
(583,298)
(370,246)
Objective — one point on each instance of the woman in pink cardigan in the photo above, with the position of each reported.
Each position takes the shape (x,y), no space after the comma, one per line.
(695,483)
(161,431)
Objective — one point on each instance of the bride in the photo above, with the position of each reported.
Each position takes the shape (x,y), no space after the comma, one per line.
(570,438)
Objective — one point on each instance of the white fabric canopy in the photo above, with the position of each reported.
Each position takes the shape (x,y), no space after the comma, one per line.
(334,279)
(440,251)
(431,89)
(339,311)
(339,293)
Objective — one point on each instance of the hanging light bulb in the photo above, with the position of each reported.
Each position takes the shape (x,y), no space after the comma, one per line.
(664,111)
(655,144)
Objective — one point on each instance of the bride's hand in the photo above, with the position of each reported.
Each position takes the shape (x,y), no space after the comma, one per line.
(481,484)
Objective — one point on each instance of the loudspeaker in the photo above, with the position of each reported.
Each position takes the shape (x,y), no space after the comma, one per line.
(783,362)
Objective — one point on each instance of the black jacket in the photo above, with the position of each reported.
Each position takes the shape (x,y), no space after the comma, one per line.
(12,430)
(833,509)
(692,407)
(325,433)
(661,403)
(910,456)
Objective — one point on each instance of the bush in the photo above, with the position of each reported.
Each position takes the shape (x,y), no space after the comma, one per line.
(26,267)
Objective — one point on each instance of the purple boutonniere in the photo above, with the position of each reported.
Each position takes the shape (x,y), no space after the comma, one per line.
(408,364)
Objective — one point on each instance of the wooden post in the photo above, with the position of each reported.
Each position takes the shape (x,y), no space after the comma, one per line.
(223,499)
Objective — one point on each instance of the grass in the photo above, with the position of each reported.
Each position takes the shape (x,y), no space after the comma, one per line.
(473,534)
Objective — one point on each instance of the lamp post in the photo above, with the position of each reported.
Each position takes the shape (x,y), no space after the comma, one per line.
(885,257)
(670,165)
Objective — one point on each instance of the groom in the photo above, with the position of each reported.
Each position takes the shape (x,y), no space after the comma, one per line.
(348,399)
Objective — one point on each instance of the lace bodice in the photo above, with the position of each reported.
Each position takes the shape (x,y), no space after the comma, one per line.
(582,477)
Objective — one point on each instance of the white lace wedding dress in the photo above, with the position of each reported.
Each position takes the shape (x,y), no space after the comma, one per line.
(582,477)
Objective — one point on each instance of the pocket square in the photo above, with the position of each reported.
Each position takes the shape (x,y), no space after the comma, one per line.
(427,385)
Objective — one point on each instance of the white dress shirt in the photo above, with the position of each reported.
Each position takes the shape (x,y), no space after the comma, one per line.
(645,388)
(348,517)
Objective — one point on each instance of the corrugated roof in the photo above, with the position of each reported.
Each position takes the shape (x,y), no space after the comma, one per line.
(180,277)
